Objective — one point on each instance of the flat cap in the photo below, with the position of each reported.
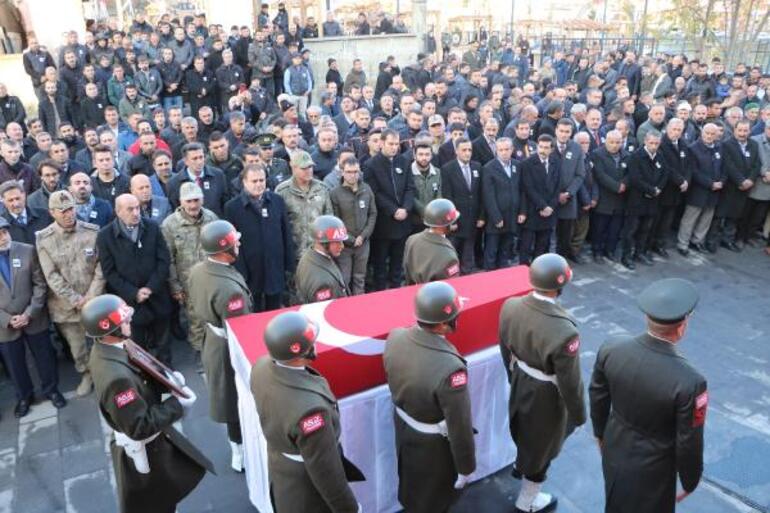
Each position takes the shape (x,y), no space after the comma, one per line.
(668,301)
(302,159)
(190,191)
(61,200)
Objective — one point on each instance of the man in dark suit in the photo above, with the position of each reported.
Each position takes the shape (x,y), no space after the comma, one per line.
(267,248)
(609,170)
(540,179)
(571,176)
(24,322)
(674,156)
(484,145)
(632,72)
(461,184)
(23,221)
(393,187)
(211,180)
(504,205)
(646,179)
(446,152)
(135,262)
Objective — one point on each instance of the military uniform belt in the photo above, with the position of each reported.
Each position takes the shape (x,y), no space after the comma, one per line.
(220,332)
(536,373)
(294,457)
(423,427)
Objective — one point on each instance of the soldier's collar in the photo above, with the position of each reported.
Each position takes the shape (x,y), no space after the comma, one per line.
(541,297)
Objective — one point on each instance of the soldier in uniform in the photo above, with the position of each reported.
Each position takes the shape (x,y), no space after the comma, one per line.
(306,198)
(277,169)
(182,231)
(155,466)
(428,255)
(540,346)
(428,380)
(218,291)
(67,253)
(648,407)
(301,423)
(318,276)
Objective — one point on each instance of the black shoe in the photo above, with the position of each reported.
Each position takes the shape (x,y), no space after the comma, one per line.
(628,263)
(598,259)
(57,400)
(611,257)
(576,259)
(711,247)
(515,473)
(661,252)
(731,246)
(22,407)
(699,247)
(683,252)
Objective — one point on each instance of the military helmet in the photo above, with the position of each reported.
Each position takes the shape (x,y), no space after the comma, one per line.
(329,229)
(440,212)
(218,236)
(104,314)
(290,335)
(549,272)
(436,302)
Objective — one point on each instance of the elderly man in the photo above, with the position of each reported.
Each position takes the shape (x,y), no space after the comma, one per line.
(23,221)
(12,168)
(67,253)
(24,322)
(153,207)
(182,230)
(135,261)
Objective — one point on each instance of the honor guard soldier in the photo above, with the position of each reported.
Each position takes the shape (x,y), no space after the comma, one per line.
(429,256)
(541,349)
(428,380)
(301,423)
(318,277)
(648,407)
(155,466)
(217,292)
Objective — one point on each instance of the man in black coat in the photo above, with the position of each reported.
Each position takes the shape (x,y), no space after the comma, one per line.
(504,205)
(540,179)
(646,179)
(23,221)
(674,156)
(461,184)
(484,145)
(572,173)
(648,407)
(446,152)
(707,180)
(135,261)
(609,171)
(393,187)
(210,179)
(741,164)
(267,250)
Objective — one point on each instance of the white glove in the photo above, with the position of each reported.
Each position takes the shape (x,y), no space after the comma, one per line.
(187,402)
(360,508)
(180,378)
(462,481)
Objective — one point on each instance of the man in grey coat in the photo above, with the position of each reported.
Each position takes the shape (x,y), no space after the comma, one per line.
(571,178)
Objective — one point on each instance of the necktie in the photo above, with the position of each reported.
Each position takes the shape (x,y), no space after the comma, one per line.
(596,138)
(561,150)
(467,174)
(22,219)
(199,181)
(545,163)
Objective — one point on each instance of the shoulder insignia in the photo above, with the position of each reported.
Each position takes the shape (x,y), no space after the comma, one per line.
(311,423)
(458,379)
(573,346)
(323,294)
(45,232)
(125,398)
(453,270)
(90,226)
(701,405)
(235,303)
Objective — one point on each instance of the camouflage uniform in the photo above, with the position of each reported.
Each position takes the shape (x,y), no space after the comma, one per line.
(303,207)
(71,267)
(182,236)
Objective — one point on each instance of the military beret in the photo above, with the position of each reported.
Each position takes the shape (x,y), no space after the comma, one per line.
(668,301)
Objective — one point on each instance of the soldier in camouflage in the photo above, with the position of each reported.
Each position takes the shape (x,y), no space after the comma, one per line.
(67,253)
(182,231)
(306,199)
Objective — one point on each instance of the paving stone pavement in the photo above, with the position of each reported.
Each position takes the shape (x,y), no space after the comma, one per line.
(58,461)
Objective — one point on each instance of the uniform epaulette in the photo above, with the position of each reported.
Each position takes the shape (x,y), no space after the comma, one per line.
(45,232)
(90,226)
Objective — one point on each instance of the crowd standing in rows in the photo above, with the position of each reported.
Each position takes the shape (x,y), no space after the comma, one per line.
(146,136)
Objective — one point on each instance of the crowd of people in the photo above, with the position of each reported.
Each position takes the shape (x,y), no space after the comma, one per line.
(145,136)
